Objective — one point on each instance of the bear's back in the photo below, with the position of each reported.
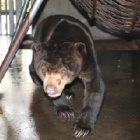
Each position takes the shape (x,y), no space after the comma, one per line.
(63,28)
(60,27)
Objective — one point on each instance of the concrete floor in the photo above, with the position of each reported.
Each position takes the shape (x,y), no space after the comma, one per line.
(120,115)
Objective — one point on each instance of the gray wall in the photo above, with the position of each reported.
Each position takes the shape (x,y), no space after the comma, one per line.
(65,7)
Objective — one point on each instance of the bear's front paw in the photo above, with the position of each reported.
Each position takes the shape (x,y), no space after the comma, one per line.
(82,129)
(64,112)
(84,125)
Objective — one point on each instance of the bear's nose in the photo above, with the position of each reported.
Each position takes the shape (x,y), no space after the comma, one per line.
(51,89)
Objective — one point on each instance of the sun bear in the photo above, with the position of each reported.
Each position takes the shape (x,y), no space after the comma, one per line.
(63,50)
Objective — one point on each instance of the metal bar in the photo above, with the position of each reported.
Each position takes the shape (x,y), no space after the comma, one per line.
(19,37)
(21,17)
(18,9)
(11,17)
(6,13)
(0,20)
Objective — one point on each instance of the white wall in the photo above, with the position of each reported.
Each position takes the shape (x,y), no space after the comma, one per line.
(65,7)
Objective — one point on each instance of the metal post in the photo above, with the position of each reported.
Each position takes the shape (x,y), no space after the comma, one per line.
(0,19)
(6,14)
(19,37)
(11,17)
(21,17)
(18,9)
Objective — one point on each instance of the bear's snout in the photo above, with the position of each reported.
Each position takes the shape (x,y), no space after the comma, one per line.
(54,84)
(52,91)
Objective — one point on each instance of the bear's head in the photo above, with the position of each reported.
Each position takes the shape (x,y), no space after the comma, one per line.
(58,64)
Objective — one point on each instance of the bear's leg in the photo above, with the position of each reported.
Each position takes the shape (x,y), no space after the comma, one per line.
(94,93)
(34,76)
(61,106)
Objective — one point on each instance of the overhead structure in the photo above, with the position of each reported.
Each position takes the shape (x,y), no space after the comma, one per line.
(114,16)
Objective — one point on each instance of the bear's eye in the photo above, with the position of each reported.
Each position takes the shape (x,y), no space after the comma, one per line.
(63,72)
(43,70)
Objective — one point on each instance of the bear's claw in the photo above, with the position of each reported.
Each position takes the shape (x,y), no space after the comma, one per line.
(69,95)
(69,98)
(81,131)
(64,112)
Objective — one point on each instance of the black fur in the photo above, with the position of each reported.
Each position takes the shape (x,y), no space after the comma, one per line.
(61,35)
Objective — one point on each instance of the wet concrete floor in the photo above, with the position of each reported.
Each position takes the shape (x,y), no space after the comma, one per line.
(119,118)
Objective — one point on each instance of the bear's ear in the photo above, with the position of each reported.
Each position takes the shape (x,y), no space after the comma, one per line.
(80,47)
(35,46)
